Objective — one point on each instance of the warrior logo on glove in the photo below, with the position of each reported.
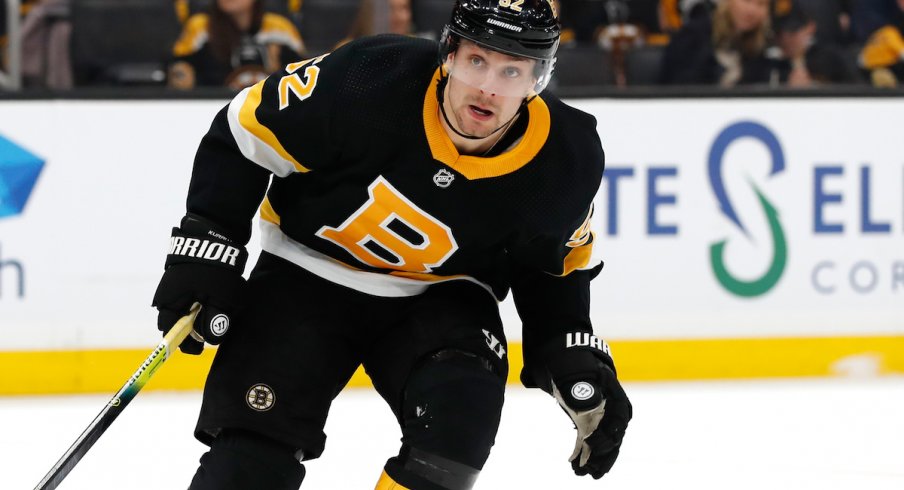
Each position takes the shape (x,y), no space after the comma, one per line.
(584,339)
(219,325)
(584,382)
(203,266)
(582,390)
(204,249)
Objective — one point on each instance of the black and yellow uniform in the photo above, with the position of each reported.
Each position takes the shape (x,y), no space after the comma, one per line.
(369,191)
(266,47)
(384,246)
(883,54)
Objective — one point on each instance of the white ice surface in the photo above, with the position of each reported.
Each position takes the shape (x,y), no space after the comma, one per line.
(823,434)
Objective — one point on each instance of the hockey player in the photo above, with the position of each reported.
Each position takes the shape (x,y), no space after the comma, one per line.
(409,193)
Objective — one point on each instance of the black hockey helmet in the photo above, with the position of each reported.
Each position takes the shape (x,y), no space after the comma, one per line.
(525,28)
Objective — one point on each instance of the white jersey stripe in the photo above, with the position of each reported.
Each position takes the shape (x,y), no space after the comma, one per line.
(274,241)
(251,146)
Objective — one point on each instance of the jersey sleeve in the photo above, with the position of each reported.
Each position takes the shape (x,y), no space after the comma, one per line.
(550,284)
(550,281)
(561,251)
(225,187)
(552,262)
(282,126)
(556,234)
(286,122)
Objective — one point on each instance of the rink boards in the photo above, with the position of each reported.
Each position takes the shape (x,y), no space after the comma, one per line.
(742,238)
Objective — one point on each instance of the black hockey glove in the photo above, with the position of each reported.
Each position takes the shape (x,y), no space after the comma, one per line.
(584,383)
(202,266)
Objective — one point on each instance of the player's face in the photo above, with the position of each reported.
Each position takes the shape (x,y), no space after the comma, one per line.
(486,87)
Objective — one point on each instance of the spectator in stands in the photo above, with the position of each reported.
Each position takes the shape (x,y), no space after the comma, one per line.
(882,21)
(234,44)
(371,18)
(594,21)
(400,17)
(803,60)
(868,16)
(382,17)
(45,35)
(616,26)
(725,49)
(673,14)
(25,7)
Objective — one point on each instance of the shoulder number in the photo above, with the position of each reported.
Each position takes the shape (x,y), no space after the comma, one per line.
(511,4)
(294,83)
(582,235)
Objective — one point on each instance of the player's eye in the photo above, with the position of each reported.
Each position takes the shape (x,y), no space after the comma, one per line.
(476,61)
(511,72)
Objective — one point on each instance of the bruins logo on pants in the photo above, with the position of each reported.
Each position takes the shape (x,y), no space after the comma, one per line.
(260,397)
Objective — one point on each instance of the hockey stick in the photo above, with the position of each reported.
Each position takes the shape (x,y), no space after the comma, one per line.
(118,403)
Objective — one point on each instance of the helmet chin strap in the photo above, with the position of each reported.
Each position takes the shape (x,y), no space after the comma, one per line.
(440,96)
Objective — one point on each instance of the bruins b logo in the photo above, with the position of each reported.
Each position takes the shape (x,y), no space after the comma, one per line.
(391,232)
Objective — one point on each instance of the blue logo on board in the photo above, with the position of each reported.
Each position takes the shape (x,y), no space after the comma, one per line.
(19,171)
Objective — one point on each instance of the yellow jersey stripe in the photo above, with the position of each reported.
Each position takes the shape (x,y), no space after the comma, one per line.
(274,241)
(578,257)
(387,483)
(256,142)
(268,213)
(422,276)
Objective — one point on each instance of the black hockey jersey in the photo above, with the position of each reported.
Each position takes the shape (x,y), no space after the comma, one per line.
(369,192)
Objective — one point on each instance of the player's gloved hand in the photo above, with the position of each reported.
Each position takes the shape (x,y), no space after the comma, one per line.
(585,385)
(203,266)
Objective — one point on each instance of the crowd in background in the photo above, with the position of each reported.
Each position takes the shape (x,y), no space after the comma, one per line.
(185,44)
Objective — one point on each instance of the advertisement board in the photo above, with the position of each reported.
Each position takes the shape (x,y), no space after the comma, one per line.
(723,218)
(717,219)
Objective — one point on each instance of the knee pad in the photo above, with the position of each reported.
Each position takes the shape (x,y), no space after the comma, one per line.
(451,409)
(240,460)
(418,470)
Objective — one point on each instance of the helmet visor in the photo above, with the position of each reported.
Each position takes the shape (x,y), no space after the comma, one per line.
(495,72)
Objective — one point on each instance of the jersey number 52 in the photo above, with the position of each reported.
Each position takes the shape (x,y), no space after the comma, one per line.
(511,4)
(293,82)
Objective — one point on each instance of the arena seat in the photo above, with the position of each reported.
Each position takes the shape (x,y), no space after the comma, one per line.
(429,16)
(280,7)
(583,66)
(643,65)
(323,23)
(122,42)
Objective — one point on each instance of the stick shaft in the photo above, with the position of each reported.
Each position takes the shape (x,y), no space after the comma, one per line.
(118,403)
